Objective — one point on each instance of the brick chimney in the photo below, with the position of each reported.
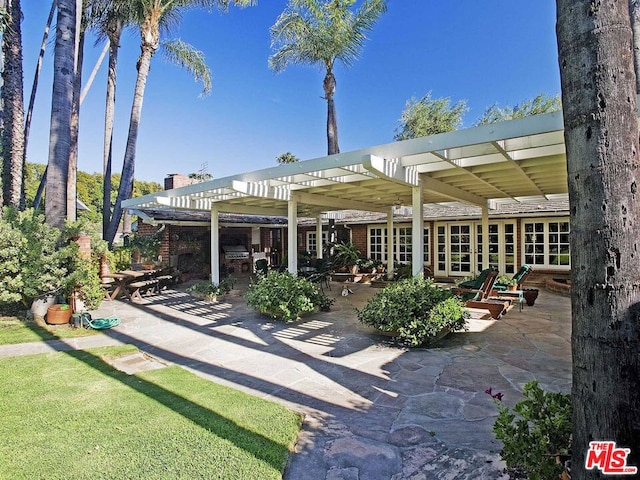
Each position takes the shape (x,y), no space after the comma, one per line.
(177,180)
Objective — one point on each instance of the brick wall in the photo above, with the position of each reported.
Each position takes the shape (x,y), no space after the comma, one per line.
(359,238)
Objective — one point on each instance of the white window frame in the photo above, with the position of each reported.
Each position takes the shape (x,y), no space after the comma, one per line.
(311,239)
(547,233)
(404,230)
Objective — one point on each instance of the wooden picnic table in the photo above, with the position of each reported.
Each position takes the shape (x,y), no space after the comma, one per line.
(121,279)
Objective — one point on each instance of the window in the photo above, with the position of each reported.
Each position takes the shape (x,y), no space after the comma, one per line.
(312,244)
(546,243)
(402,245)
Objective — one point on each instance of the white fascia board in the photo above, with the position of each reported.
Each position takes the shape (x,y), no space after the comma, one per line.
(391,169)
(262,190)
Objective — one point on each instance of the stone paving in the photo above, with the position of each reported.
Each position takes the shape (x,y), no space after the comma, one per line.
(373,409)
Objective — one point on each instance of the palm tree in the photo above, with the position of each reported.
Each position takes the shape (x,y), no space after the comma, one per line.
(311,32)
(603,153)
(110,19)
(64,69)
(150,16)
(13,109)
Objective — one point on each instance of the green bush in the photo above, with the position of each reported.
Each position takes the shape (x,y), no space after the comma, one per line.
(209,290)
(415,310)
(31,262)
(285,297)
(536,432)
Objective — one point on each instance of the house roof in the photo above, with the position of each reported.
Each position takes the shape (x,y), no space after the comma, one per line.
(506,165)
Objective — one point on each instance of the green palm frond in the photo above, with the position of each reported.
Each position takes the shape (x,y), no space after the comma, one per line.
(314,32)
(187,56)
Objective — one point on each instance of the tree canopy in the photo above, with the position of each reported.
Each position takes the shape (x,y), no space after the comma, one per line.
(428,116)
(542,103)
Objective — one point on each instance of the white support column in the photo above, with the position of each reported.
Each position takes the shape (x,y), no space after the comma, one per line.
(319,236)
(215,247)
(485,237)
(417,232)
(292,236)
(390,243)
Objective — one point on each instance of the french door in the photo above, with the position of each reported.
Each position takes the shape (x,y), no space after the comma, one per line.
(459,248)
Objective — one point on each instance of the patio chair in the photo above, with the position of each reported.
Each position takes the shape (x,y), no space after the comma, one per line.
(262,266)
(474,283)
(519,277)
(479,298)
(322,275)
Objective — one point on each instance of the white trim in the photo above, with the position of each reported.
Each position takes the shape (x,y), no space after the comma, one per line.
(546,250)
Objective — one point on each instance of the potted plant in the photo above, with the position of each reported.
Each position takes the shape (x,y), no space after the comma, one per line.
(346,255)
(415,311)
(58,314)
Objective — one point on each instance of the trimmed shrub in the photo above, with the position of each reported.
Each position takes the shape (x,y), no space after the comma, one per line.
(285,297)
(415,310)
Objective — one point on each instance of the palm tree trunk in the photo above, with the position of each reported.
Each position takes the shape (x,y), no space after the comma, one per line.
(75,128)
(634,12)
(329,85)
(125,190)
(13,110)
(61,105)
(601,136)
(109,118)
(94,72)
(36,78)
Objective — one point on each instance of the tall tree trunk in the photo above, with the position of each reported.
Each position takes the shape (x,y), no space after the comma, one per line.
(75,129)
(125,190)
(13,109)
(601,136)
(115,32)
(36,78)
(61,105)
(329,85)
(634,12)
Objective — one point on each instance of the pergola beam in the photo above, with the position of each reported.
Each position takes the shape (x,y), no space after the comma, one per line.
(429,183)
(336,203)
(391,169)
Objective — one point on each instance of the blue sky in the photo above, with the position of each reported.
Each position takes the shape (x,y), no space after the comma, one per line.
(481,52)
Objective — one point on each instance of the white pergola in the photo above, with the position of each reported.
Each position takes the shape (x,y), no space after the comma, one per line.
(515,161)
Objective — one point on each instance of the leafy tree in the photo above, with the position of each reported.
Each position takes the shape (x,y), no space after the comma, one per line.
(601,136)
(428,116)
(311,32)
(11,94)
(535,106)
(151,17)
(31,264)
(287,157)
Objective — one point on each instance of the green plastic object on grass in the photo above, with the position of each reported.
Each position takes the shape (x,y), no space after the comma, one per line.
(99,323)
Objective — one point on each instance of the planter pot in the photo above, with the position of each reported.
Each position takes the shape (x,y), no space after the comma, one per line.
(512,288)
(530,295)
(40,305)
(427,342)
(57,315)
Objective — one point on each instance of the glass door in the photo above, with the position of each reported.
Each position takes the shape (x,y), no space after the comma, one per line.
(454,249)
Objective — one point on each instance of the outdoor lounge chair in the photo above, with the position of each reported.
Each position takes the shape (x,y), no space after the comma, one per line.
(519,277)
(475,283)
(479,298)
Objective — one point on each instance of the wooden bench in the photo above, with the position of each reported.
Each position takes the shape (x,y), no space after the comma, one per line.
(138,288)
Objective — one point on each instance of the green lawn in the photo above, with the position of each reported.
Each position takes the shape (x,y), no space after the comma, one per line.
(19,329)
(70,416)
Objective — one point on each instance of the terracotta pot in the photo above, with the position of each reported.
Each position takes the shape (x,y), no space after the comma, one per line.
(57,315)
(513,288)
